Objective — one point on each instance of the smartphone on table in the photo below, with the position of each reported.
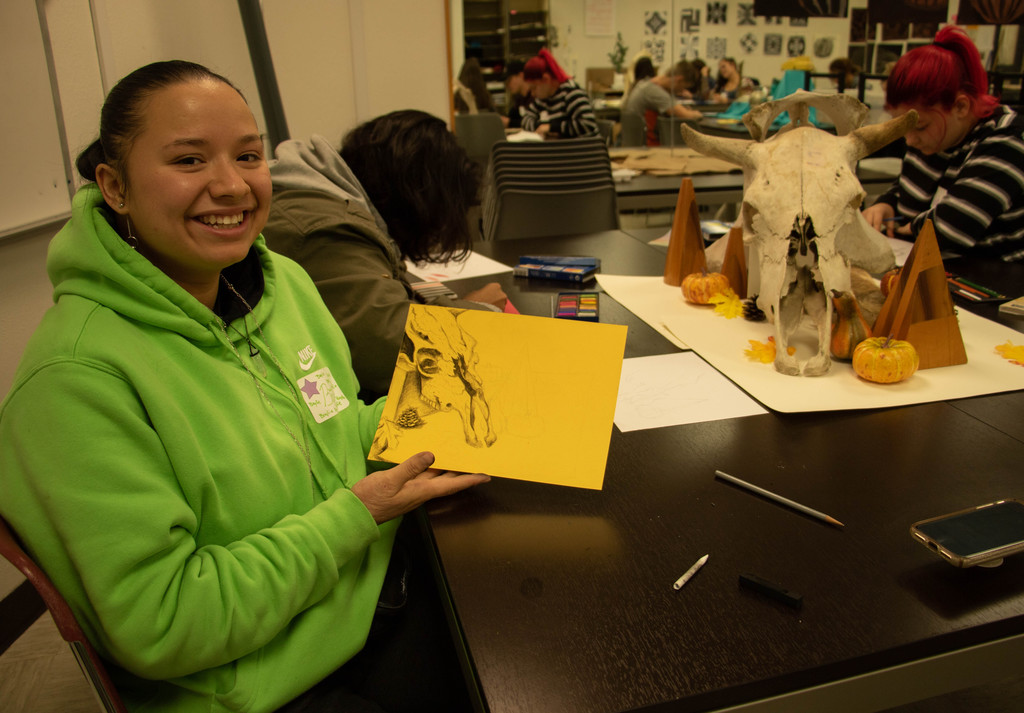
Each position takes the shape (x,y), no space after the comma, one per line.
(980,535)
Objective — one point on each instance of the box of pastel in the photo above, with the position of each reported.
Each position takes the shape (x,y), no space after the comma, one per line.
(577,305)
(551,267)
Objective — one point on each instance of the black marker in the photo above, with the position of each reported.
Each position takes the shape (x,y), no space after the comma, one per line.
(770,589)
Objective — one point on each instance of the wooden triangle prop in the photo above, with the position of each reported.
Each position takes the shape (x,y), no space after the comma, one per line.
(919,308)
(686,242)
(734,264)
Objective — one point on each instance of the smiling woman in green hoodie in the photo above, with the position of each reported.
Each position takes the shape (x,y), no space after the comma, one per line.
(182,449)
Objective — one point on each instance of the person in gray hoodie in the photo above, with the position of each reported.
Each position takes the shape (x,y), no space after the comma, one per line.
(400,188)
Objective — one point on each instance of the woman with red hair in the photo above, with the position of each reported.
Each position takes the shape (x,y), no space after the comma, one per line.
(964,166)
(559,106)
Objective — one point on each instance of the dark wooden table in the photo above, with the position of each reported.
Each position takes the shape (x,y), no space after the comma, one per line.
(562,598)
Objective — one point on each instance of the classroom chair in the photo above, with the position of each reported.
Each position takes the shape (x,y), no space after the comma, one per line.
(558,187)
(669,134)
(90,662)
(634,129)
(477,133)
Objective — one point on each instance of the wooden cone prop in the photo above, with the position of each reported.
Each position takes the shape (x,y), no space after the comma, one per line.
(734,264)
(686,242)
(919,308)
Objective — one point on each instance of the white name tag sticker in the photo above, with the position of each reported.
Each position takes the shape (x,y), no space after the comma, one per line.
(322,394)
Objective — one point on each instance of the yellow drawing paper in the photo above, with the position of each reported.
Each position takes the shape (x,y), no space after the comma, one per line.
(514,396)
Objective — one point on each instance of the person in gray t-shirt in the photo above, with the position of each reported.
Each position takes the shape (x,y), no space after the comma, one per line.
(653,95)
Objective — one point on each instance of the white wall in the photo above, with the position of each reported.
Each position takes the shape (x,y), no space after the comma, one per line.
(338,63)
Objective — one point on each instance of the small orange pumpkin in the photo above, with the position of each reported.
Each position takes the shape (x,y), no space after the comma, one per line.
(889,280)
(885,360)
(700,287)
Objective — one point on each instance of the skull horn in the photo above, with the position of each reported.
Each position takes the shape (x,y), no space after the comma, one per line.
(868,139)
(735,151)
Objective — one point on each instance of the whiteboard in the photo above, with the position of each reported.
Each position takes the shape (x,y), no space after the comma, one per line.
(33,179)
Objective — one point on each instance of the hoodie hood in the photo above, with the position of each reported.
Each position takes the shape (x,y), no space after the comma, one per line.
(88,258)
(317,166)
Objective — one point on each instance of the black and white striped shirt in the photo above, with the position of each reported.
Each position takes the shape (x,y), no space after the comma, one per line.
(569,112)
(973,193)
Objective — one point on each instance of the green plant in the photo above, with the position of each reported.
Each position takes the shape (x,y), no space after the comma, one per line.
(618,54)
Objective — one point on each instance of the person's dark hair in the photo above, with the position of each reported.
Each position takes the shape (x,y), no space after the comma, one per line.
(643,69)
(722,81)
(419,179)
(689,75)
(121,117)
(515,66)
(936,73)
(472,77)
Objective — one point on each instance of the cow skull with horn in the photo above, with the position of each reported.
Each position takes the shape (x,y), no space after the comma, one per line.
(801,211)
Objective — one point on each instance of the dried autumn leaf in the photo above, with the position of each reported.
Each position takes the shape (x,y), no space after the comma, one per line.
(727,304)
(1011,352)
(761,351)
(764,352)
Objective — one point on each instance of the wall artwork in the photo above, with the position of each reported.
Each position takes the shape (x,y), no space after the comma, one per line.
(796,46)
(717,13)
(690,47)
(689,20)
(774,20)
(480,406)
(798,22)
(772,43)
(656,34)
(716,48)
(824,46)
(655,22)
(745,14)
(655,46)
(748,43)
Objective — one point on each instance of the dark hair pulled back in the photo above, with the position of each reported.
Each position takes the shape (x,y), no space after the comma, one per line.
(122,114)
(419,179)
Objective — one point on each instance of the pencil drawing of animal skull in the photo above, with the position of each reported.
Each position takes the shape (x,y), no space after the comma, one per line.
(440,359)
(801,212)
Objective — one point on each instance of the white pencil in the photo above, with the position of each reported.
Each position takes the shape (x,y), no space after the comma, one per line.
(690,572)
(778,498)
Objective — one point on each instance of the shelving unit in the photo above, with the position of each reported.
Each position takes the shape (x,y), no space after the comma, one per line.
(495,31)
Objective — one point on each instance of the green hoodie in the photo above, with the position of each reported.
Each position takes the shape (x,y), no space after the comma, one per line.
(163,482)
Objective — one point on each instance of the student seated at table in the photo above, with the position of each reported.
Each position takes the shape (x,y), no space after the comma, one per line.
(182,450)
(560,108)
(702,88)
(471,94)
(653,96)
(518,92)
(849,71)
(401,188)
(731,84)
(964,166)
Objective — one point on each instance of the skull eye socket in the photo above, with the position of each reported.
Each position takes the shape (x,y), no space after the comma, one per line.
(428,361)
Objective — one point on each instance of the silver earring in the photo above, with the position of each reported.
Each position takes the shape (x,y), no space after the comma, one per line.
(121,204)
(132,241)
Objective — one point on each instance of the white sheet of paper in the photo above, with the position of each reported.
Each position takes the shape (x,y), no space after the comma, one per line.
(474,266)
(722,342)
(649,298)
(675,389)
